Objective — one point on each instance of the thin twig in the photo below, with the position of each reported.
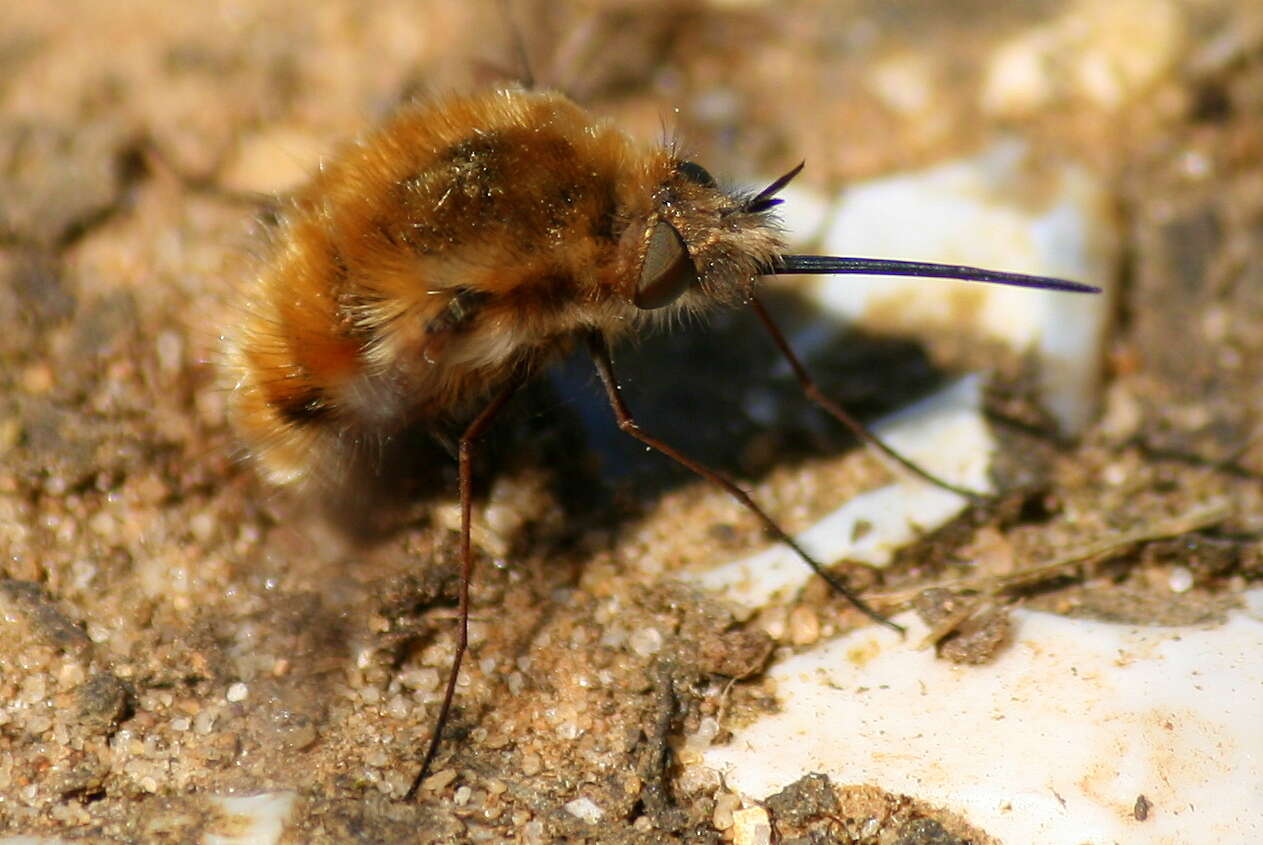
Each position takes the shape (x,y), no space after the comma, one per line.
(1204,516)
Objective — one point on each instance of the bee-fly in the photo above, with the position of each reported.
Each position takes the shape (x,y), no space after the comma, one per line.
(434,265)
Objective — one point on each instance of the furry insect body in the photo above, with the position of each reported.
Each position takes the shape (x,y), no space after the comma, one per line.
(465,242)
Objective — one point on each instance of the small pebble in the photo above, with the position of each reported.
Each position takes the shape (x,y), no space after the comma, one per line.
(804,626)
(646,642)
(585,810)
(1180,580)
(725,805)
(751,826)
(439,780)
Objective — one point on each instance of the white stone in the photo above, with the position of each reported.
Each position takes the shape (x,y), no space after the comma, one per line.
(251,820)
(646,641)
(585,810)
(1051,743)
(1180,579)
(945,434)
(1002,210)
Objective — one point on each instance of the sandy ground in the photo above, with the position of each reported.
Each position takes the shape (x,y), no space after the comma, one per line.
(173,629)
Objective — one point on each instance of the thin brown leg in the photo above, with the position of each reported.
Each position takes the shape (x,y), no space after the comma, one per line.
(605,369)
(834,410)
(466,450)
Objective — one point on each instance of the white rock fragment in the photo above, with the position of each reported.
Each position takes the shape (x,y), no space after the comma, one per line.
(945,434)
(1053,742)
(1001,209)
(251,820)
(1253,601)
(646,641)
(584,809)
(1180,579)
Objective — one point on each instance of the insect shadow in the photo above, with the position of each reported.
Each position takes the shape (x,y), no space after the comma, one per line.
(716,388)
(729,400)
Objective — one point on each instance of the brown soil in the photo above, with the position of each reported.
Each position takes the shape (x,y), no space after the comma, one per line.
(170,628)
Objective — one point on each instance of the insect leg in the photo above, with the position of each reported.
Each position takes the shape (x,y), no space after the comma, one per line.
(835,410)
(600,352)
(466,451)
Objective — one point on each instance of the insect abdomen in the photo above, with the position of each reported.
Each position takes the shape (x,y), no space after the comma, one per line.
(428,262)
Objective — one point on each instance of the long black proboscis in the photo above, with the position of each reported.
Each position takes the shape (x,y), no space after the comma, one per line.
(833,265)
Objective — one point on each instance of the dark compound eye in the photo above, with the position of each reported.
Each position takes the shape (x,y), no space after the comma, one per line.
(667,272)
(696,174)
